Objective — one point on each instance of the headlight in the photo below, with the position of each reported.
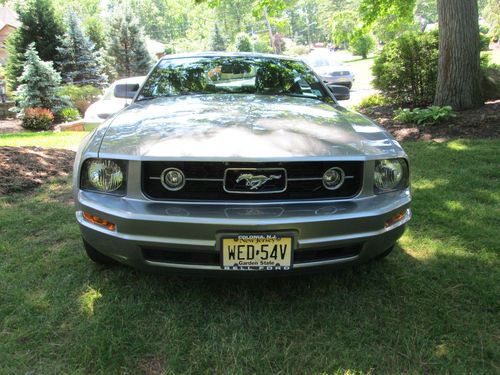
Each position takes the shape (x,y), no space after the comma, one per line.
(104,175)
(390,175)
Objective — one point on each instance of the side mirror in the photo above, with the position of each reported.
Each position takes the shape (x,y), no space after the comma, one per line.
(340,92)
(126,91)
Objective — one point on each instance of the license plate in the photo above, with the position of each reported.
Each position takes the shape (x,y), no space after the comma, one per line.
(257,252)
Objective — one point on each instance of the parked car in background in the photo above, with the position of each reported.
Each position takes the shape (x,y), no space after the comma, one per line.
(110,103)
(332,72)
(238,163)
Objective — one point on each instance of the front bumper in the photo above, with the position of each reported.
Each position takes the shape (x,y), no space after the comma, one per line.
(340,233)
(341,80)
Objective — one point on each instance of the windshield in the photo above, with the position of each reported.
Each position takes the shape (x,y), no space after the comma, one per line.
(240,75)
(317,62)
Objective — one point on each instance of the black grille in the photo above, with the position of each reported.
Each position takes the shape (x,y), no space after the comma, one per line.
(187,256)
(205,180)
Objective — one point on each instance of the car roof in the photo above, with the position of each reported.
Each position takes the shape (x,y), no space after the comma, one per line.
(228,54)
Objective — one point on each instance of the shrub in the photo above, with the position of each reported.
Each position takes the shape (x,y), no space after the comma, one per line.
(485,42)
(427,116)
(263,46)
(372,101)
(490,79)
(406,69)
(243,43)
(37,119)
(68,114)
(297,50)
(362,45)
(80,96)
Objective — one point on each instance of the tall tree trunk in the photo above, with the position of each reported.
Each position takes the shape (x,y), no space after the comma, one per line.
(459,73)
(268,24)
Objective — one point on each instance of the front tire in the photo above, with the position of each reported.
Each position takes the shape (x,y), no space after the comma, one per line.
(96,256)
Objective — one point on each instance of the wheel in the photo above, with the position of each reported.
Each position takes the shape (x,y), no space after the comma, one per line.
(96,256)
(385,253)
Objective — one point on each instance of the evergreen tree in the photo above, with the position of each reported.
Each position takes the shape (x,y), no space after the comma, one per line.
(216,40)
(80,63)
(39,25)
(126,45)
(39,83)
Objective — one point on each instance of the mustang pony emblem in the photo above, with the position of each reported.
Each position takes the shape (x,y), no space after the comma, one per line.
(255,182)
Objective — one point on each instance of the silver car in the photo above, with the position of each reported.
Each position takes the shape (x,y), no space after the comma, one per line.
(331,72)
(239,164)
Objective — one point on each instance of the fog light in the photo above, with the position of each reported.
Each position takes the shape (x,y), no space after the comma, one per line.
(98,221)
(172,179)
(333,178)
(396,218)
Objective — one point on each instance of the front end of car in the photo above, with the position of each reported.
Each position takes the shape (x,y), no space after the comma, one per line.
(197,215)
(338,77)
(242,164)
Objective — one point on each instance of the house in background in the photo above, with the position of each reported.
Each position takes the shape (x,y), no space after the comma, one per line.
(8,23)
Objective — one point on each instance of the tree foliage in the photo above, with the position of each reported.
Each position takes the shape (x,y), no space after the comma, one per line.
(371,10)
(80,64)
(344,25)
(126,48)
(362,45)
(39,83)
(491,13)
(39,25)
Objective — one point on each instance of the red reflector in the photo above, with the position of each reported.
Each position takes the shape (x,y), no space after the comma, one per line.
(98,221)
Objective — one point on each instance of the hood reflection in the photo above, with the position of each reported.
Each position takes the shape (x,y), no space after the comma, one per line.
(247,126)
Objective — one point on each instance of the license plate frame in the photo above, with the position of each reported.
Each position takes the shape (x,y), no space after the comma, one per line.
(273,238)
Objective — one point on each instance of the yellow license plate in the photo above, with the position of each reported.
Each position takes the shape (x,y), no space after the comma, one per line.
(260,252)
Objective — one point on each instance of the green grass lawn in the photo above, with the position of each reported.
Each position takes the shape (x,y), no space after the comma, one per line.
(67,140)
(433,306)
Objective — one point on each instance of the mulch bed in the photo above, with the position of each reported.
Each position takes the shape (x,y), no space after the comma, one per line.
(23,169)
(477,123)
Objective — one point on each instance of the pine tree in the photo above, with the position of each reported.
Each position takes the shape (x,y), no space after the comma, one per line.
(38,24)
(127,46)
(39,83)
(216,40)
(80,64)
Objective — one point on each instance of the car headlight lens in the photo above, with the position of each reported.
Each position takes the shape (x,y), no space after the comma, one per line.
(172,179)
(333,178)
(391,174)
(104,175)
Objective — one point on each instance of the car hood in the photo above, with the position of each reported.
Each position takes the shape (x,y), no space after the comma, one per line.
(242,126)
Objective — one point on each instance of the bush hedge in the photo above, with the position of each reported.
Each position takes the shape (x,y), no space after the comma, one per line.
(68,114)
(37,119)
(490,79)
(80,96)
(406,69)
